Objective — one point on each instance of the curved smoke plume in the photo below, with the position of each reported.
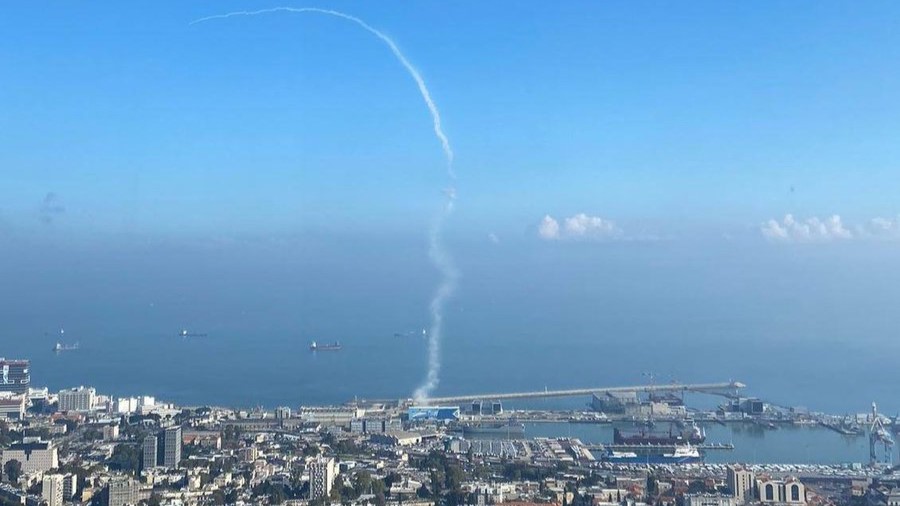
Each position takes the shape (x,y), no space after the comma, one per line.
(436,252)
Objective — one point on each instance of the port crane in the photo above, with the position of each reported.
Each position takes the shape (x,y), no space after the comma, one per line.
(879,436)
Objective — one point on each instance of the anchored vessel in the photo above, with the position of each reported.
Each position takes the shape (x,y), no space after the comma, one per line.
(65,347)
(335,346)
(185,333)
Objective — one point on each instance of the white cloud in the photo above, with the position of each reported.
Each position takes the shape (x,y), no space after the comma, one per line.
(579,226)
(493,238)
(582,225)
(881,228)
(812,229)
(548,228)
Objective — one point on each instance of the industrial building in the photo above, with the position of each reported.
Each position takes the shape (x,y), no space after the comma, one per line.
(435,413)
(614,402)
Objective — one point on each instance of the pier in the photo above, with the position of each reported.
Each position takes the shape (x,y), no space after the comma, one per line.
(725,389)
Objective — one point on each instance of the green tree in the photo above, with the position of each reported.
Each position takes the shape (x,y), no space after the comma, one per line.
(126,458)
(12,469)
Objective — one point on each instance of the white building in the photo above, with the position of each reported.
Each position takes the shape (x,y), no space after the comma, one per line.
(53,489)
(12,407)
(708,500)
(77,399)
(126,405)
(36,456)
(322,473)
(110,432)
(787,491)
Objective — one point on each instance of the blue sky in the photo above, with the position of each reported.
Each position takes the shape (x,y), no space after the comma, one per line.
(273,178)
(667,119)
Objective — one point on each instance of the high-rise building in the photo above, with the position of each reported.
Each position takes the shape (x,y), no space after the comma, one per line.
(172,447)
(70,486)
(52,491)
(322,473)
(77,399)
(282,413)
(741,482)
(149,450)
(14,376)
(122,491)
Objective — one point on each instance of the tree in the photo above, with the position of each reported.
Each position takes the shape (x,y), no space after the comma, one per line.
(652,485)
(12,469)
(126,458)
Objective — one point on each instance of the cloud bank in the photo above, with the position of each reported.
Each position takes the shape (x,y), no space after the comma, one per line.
(578,227)
(815,230)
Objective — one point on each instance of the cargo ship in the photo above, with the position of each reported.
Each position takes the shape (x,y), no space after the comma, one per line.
(679,455)
(65,347)
(691,434)
(335,346)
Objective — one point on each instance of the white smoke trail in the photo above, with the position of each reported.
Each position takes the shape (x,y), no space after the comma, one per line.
(435,114)
(436,252)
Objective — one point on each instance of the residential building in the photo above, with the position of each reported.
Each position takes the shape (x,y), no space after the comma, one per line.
(70,486)
(741,482)
(322,472)
(122,491)
(172,441)
(77,399)
(149,449)
(110,432)
(34,455)
(52,490)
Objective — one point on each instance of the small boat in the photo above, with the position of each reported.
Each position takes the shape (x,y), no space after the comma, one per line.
(335,346)
(681,455)
(65,347)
